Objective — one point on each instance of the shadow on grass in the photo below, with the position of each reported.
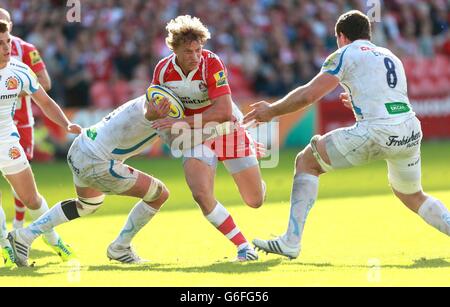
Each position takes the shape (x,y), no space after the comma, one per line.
(219,267)
(33,271)
(421,263)
(37,254)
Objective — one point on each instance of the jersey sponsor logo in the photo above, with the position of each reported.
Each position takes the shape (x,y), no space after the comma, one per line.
(12,83)
(91,133)
(188,100)
(221,78)
(14,153)
(397,108)
(409,141)
(5,97)
(70,160)
(35,57)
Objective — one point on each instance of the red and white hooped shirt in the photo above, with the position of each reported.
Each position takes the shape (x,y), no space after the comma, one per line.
(197,91)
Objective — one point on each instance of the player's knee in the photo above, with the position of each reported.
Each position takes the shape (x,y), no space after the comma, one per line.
(32,202)
(255,202)
(412,201)
(299,160)
(304,161)
(157,193)
(87,206)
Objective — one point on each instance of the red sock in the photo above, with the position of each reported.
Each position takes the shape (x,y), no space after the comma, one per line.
(223,221)
(232,232)
(20,210)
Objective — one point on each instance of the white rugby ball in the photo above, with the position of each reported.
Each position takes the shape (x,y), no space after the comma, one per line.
(159,92)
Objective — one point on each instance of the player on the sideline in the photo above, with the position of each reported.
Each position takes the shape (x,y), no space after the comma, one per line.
(199,78)
(386,129)
(96,159)
(23,117)
(16,78)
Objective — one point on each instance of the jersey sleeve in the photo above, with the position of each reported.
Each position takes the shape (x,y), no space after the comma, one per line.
(156,72)
(337,63)
(216,78)
(32,58)
(31,83)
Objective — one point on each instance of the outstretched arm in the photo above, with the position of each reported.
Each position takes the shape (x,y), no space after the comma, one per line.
(54,112)
(298,99)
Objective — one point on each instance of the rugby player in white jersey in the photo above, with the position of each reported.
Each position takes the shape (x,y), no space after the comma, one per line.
(386,129)
(96,159)
(16,78)
(23,117)
(199,78)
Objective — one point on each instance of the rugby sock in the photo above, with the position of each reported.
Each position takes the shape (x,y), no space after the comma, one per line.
(20,212)
(223,221)
(50,219)
(50,234)
(436,214)
(139,216)
(304,194)
(3,230)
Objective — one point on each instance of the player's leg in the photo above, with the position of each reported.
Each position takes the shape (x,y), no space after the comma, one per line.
(200,179)
(238,155)
(7,251)
(405,179)
(320,156)
(24,185)
(27,143)
(153,194)
(247,176)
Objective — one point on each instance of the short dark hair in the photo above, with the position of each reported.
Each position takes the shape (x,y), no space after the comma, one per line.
(4,26)
(354,25)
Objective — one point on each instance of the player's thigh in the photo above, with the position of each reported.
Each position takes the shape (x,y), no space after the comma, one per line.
(200,179)
(250,185)
(87,192)
(349,147)
(404,174)
(24,185)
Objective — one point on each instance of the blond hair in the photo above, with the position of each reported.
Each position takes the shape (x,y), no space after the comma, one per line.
(185,29)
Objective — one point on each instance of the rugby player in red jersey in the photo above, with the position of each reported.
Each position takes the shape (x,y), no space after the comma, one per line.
(199,78)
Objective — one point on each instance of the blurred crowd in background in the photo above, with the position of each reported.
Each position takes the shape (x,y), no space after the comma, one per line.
(268,46)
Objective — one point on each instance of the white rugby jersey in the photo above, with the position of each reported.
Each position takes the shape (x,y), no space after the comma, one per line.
(123,133)
(374,78)
(14,78)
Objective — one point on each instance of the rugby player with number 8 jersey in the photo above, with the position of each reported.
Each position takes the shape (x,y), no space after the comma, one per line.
(386,129)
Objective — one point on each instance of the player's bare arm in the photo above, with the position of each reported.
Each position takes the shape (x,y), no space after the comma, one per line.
(44,79)
(219,112)
(298,99)
(54,112)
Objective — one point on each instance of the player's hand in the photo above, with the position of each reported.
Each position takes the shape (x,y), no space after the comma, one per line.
(74,128)
(345,99)
(157,111)
(261,113)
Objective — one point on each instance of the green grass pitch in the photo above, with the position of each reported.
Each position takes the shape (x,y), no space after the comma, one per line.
(357,233)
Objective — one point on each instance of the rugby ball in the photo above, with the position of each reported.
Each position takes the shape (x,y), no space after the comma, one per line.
(159,92)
